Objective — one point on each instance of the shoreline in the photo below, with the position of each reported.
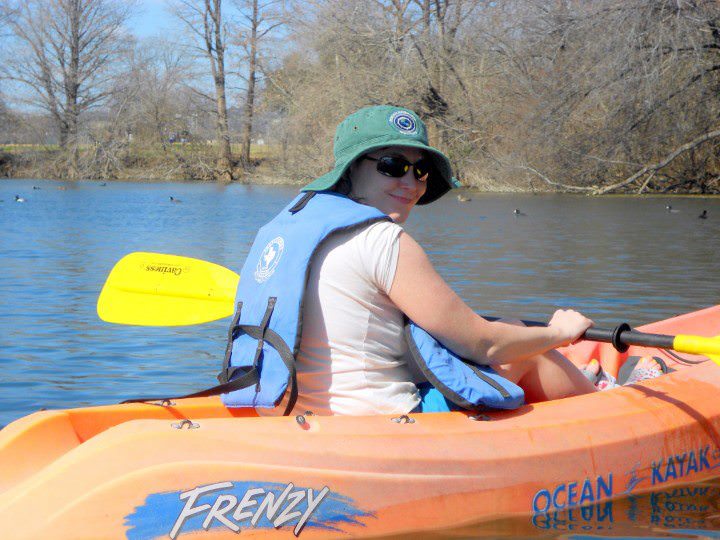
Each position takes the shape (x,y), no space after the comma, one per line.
(192,164)
(267,180)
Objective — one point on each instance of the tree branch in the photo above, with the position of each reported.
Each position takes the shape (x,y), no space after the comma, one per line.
(565,187)
(662,163)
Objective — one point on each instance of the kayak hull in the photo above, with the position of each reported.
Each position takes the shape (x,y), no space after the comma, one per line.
(196,468)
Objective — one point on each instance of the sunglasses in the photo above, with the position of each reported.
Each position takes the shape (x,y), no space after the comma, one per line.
(397,167)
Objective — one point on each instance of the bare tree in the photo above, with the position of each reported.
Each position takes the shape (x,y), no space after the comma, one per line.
(159,105)
(259,20)
(6,12)
(362,52)
(578,106)
(5,116)
(64,58)
(204,19)
(588,96)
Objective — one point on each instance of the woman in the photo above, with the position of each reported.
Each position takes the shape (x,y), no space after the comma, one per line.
(368,275)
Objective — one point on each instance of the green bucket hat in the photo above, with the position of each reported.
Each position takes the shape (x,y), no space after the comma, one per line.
(372,128)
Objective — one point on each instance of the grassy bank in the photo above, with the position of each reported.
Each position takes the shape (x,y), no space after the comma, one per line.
(188,161)
(196,161)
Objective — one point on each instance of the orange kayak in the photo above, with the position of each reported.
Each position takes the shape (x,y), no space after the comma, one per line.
(194,468)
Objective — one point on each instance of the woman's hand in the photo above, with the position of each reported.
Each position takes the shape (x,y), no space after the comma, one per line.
(569,325)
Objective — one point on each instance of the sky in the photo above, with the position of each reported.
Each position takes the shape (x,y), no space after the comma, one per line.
(151,18)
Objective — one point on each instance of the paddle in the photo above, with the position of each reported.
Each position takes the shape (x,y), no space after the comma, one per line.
(623,336)
(153,289)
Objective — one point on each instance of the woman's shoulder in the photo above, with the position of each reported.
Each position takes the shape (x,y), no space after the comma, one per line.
(376,236)
(373,251)
(381,228)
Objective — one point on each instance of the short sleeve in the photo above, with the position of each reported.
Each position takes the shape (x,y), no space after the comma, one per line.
(378,247)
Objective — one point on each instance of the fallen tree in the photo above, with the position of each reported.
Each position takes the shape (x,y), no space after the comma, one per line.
(651,170)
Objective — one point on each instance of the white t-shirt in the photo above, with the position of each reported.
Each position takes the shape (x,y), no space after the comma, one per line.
(352,358)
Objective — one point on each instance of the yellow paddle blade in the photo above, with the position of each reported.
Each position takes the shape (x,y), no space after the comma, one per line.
(706,346)
(154,289)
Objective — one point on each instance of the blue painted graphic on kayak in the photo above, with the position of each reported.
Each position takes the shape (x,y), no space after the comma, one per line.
(240,506)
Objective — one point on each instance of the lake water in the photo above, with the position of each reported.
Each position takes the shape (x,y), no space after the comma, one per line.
(615,259)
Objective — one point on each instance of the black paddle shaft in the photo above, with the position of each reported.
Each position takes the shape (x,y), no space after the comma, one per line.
(621,337)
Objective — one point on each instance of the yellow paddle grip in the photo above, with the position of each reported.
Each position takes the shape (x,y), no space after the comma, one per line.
(706,346)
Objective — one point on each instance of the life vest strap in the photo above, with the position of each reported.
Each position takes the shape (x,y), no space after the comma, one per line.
(229,382)
(278,343)
(248,379)
(302,203)
(261,340)
(223,375)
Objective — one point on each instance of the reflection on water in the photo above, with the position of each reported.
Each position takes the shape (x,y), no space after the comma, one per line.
(686,511)
(690,511)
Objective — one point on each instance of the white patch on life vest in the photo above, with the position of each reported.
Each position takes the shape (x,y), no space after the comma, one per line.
(269,259)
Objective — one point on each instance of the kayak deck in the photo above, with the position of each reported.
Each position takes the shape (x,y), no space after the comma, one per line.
(120,470)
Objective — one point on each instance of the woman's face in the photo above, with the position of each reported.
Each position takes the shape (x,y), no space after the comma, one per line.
(393,196)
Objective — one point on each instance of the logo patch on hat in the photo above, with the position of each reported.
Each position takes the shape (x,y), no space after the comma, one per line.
(404,122)
(269,259)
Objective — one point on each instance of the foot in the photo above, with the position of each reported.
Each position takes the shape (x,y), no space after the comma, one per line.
(592,371)
(596,375)
(646,368)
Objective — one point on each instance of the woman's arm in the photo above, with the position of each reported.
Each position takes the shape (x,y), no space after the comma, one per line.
(425,297)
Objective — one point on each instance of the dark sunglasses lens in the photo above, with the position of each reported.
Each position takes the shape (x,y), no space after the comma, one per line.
(393,166)
(422,168)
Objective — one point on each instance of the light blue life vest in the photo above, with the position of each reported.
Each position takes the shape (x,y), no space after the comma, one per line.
(264,337)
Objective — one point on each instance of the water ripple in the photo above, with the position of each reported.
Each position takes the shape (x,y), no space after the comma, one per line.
(615,259)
